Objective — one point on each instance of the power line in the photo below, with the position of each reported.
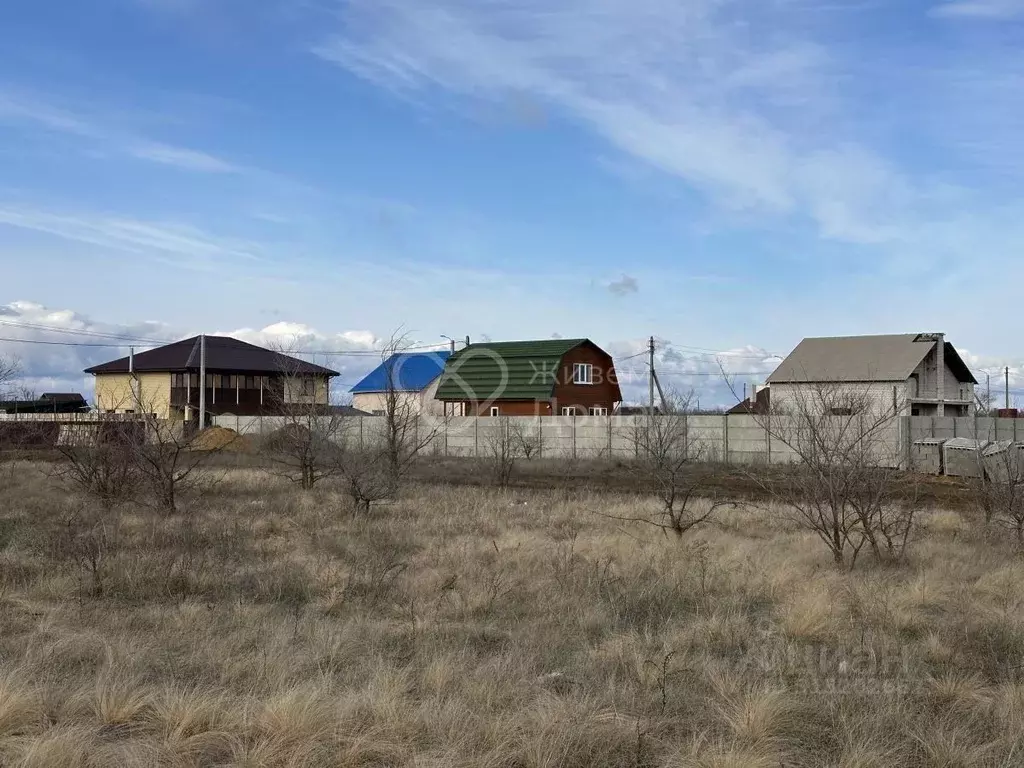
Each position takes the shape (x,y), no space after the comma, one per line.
(83,332)
(374,353)
(63,343)
(694,373)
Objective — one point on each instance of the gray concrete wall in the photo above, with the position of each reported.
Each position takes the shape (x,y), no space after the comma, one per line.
(735,439)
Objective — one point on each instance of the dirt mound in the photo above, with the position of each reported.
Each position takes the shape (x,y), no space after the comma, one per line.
(220,439)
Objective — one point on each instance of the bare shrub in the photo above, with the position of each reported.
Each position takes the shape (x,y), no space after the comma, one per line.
(406,431)
(86,539)
(507,442)
(305,449)
(168,462)
(666,464)
(846,485)
(100,460)
(999,489)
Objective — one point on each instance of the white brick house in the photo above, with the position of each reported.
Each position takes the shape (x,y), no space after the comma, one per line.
(915,374)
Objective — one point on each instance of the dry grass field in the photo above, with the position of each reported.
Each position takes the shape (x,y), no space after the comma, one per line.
(470,627)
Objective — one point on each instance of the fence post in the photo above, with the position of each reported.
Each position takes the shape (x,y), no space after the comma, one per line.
(725,438)
(476,436)
(361,447)
(574,435)
(609,436)
(540,435)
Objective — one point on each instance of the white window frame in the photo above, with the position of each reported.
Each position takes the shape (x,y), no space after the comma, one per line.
(598,410)
(583,373)
(495,410)
(568,410)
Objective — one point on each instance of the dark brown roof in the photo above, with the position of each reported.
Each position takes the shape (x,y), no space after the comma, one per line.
(223,353)
(761,405)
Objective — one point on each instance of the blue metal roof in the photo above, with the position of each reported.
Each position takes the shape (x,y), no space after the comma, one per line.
(411,372)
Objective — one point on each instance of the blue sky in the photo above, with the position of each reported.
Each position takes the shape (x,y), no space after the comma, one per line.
(727,175)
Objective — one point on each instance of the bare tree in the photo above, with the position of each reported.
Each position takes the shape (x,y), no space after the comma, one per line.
(846,486)
(667,454)
(10,370)
(306,448)
(373,470)
(999,489)
(100,460)
(171,466)
(407,430)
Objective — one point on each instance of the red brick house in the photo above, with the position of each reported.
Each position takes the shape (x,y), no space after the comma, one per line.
(552,377)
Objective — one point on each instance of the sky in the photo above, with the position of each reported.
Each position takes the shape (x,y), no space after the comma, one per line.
(728,176)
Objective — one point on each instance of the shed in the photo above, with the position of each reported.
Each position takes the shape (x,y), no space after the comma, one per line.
(926,455)
(961,457)
(1003,461)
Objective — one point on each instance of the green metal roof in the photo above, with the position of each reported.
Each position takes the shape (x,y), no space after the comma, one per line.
(505,370)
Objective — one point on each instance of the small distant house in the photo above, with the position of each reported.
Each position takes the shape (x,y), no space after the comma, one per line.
(919,374)
(241,379)
(551,377)
(412,377)
(50,402)
(757,404)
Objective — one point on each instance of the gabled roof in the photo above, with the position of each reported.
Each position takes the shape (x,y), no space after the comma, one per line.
(409,372)
(223,353)
(760,404)
(863,358)
(506,370)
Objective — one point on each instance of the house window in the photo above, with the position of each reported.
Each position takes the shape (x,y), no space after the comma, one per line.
(842,411)
(598,411)
(582,373)
(495,410)
(377,412)
(568,410)
(308,385)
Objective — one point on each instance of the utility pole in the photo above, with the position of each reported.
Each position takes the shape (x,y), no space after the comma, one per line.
(1007,387)
(202,382)
(650,380)
(131,376)
(988,394)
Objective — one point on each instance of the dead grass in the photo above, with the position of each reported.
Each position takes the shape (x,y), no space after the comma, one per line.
(458,628)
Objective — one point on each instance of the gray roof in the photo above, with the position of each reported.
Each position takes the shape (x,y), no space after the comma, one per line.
(862,358)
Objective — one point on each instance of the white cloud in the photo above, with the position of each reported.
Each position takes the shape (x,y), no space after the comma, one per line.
(682,369)
(54,346)
(186,159)
(726,96)
(980,9)
(18,107)
(192,247)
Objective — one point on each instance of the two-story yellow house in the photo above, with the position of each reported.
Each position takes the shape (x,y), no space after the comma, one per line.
(241,379)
